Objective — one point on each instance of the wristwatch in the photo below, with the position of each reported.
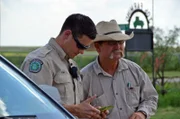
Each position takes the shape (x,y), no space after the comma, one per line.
(143,112)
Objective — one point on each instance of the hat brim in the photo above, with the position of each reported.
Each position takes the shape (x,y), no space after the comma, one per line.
(113,37)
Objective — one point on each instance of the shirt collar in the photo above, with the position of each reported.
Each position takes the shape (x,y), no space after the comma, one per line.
(97,67)
(121,66)
(58,49)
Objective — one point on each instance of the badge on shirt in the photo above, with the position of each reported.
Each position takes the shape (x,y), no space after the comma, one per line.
(35,65)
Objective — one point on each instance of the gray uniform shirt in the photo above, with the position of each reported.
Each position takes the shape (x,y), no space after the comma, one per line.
(49,65)
(128,91)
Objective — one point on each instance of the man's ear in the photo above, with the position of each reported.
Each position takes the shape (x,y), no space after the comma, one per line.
(97,46)
(66,34)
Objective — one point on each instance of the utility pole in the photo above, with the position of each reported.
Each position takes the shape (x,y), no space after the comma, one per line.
(153,13)
(153,58)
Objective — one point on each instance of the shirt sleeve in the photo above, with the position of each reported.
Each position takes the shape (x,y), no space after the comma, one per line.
(38,70)
(86,83)
(149,95)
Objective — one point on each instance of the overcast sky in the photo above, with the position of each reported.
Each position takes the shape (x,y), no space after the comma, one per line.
(34,22)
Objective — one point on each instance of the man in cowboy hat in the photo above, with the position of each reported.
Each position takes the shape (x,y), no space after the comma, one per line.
(116,81)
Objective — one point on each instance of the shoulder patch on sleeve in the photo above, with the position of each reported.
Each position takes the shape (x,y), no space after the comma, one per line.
(35,65)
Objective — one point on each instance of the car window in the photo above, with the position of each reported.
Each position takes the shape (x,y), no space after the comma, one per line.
(19,97)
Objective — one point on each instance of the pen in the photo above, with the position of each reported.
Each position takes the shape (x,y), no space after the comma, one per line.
(129,85)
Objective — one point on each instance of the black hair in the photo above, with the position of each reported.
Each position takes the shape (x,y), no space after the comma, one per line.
(80,25)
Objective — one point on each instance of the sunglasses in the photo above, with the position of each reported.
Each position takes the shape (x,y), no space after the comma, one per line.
(79,45)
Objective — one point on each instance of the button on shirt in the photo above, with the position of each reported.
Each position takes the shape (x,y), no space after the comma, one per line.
(54,70)
(128,91)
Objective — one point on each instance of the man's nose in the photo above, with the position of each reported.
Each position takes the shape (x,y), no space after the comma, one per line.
(118,45)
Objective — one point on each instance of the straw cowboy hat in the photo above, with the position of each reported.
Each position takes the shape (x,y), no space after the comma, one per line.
(108,31)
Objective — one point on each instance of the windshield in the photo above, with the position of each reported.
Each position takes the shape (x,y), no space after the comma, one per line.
(19,97)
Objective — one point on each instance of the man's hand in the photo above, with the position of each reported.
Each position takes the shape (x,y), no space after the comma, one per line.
(103,113)
(86,110)
(137,115)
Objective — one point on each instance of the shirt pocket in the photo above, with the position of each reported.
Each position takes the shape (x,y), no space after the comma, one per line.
(133,96)
(64,84)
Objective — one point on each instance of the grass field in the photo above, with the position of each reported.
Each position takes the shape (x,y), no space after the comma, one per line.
(168,74)
(88,55)
(167,113)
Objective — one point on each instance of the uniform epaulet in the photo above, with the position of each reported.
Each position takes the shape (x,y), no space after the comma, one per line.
(45,51)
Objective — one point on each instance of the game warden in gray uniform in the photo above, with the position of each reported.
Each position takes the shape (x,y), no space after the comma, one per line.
(52,64)
(117,81)
(51,67)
